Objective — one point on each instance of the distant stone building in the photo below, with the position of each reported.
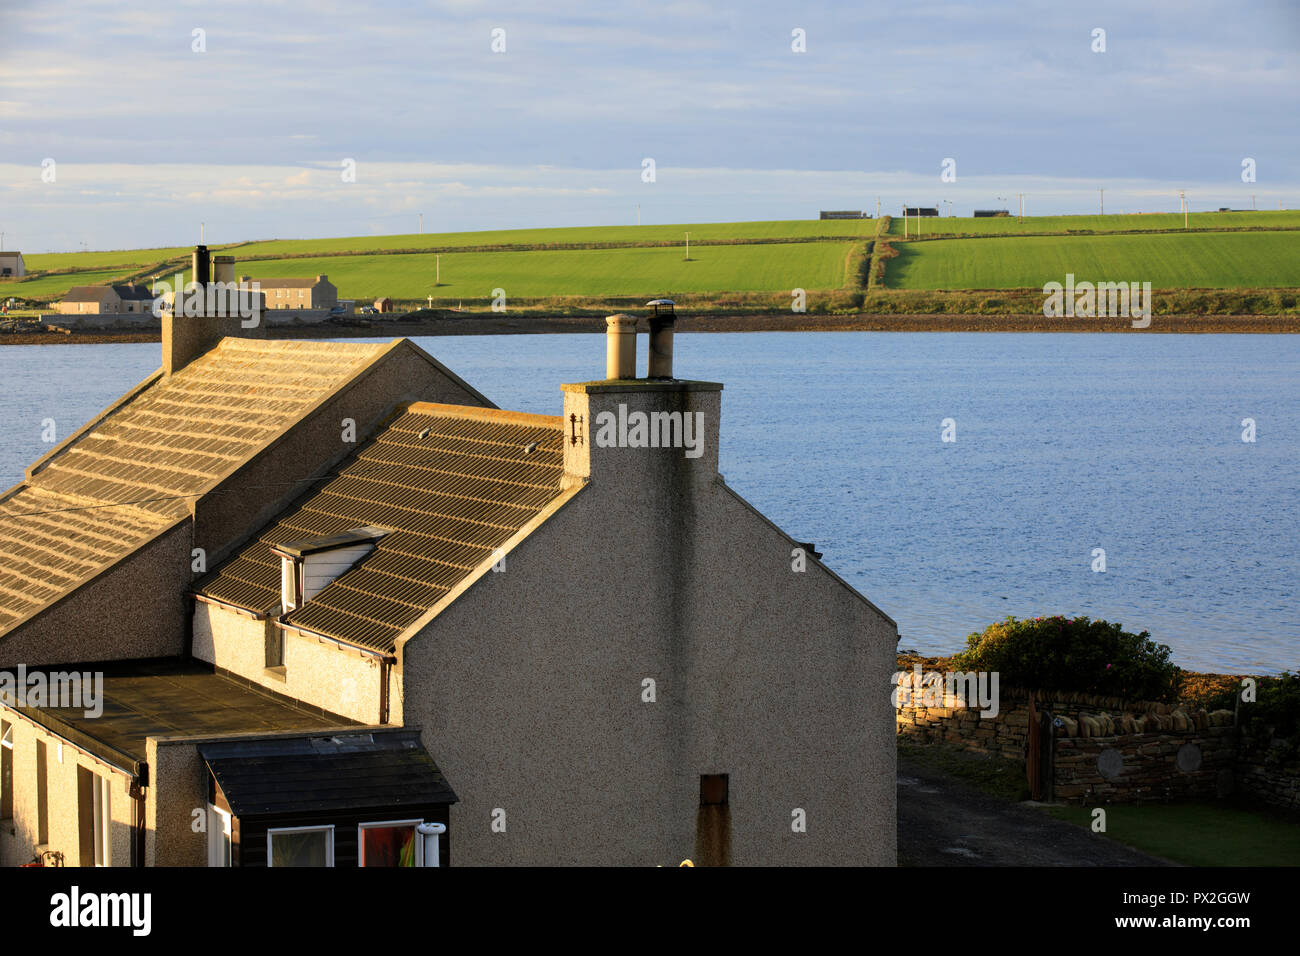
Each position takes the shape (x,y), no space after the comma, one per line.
(921,210)
(990,213)
(317,293)
(384,304)
(12,265)
(106,300)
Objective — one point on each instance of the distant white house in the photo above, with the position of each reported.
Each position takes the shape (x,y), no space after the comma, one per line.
(12,265)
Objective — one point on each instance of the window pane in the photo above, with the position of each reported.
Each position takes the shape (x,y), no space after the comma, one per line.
(300,849)
(388,846)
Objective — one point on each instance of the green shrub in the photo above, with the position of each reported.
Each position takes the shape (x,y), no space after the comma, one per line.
(1073,654)
(1274,712)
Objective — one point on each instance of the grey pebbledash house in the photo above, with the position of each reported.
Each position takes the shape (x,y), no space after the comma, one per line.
(341,610)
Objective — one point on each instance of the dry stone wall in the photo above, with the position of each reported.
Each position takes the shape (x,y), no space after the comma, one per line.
(1105,749)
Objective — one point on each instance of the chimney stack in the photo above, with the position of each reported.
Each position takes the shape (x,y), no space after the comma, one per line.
(194,324)
(620,347)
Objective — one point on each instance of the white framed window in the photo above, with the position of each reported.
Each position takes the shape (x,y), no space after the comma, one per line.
(390,843)
(102,788)
(300,846)
(219,839)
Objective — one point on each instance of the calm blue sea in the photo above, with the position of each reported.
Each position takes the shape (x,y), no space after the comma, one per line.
(1065,443)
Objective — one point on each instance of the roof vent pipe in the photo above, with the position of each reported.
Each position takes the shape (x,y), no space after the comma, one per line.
(660,363)
(430,832)
(620,347)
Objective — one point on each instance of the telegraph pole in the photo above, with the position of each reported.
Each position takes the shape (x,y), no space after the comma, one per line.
(904,220)
(421,223)
(877,207)
(688,247)
(1021,217)
(1102,200)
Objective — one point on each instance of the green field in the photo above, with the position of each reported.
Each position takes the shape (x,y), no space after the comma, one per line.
(1000,225)
(1196,260)
(788,229)
(55,285)
(606,272)
(128,260)
(1234,259)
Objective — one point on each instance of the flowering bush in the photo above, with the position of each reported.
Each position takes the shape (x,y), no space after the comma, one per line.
(1073,654)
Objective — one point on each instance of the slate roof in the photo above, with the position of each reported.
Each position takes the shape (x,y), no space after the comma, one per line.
(133,293)
(171,698)
(135,471)
(450,483)
(350,771)
(87,293)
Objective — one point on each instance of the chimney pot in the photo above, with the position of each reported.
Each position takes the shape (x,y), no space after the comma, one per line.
(660,364)
(620,346)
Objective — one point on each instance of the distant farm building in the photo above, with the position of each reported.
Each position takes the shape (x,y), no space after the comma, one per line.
(920,211)
(843,214)
(317,293)
(990,213)
(106,300)
(384,305)
(12,265)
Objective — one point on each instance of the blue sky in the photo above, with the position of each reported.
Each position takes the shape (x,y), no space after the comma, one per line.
(150,137)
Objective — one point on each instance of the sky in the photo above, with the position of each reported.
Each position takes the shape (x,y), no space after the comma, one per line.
(128,125)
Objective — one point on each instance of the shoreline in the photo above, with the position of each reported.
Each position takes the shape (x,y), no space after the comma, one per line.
(426,325)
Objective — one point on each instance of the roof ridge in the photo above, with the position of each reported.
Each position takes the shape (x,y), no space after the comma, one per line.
(484,414)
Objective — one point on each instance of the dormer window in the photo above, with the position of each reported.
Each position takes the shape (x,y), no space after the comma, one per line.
(307,567)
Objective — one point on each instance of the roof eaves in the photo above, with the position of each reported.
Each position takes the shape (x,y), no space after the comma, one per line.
(344,644)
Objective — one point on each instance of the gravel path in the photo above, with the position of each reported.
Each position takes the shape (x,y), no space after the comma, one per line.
(946,822)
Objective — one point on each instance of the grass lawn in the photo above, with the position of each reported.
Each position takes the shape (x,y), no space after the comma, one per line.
(993,774)
(799,228)
(1195,260)
(1037,224)
(596,272)
(1199,834)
